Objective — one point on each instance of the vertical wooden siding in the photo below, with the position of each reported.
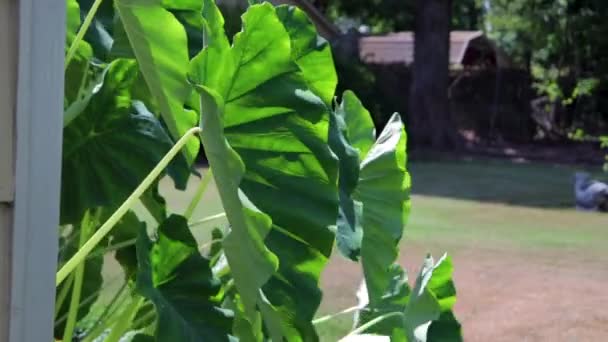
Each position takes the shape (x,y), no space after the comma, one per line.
(8,84)
(8,77)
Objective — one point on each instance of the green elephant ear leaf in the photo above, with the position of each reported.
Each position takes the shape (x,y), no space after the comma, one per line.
(374,190)
(383,189)
(379,185)
(311,52)
(251,263)
(127,230)
(260,116)
(174,276)
(155,203)
(351,137)
(111,146)
(143,338)
(427,308)
(244,328)
(360,130)
(159,42)
(100,33)
(446,327)
(395,299)
(349,231)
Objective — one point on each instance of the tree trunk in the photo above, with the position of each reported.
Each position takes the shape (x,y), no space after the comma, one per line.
(429,120)
(321,5)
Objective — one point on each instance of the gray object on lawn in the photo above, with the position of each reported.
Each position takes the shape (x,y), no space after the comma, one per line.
(591,195)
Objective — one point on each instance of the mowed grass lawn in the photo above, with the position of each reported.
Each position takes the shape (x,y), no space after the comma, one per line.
(527,265)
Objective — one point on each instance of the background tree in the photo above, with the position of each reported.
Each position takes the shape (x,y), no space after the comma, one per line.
(429,117)
(562,44)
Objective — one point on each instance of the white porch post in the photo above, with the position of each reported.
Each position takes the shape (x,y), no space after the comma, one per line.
(32,34)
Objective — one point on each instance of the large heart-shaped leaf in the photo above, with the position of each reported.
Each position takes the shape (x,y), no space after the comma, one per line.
(374,190)
(383,189)
(277,129)
(111,147)
(251,263)
(159,42)
(178,280)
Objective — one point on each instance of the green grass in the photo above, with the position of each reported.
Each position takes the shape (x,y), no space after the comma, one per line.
(500,203)
(486,204)
(487,180)
(459,222)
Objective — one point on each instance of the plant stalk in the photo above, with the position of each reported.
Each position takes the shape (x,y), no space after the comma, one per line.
(334,315)
(207,244)
(142,319)
(207,219)
(91,298)
(115,247)
(82,253)
(132,242)
(124,322)
(199,194)
(81,32)
(374,322)
(85,229)
(100,325)
(63,294)
(107,320)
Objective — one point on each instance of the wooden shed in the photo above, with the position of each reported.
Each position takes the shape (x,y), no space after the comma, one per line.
(467,48)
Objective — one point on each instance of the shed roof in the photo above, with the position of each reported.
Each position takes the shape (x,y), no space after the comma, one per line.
(398,47)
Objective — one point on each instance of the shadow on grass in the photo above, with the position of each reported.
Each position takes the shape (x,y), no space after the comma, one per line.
(530,184)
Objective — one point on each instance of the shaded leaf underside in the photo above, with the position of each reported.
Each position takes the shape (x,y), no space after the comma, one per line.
(111,147)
